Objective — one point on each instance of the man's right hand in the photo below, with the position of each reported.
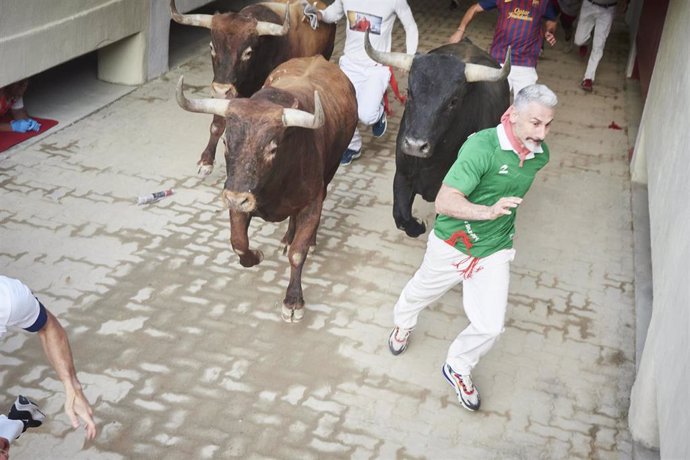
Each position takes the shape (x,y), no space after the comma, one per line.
(77,407)
(503,207)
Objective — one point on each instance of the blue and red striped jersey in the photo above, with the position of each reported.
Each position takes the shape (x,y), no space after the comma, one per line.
(520,27)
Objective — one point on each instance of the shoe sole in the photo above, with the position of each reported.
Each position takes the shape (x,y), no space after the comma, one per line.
(449,378)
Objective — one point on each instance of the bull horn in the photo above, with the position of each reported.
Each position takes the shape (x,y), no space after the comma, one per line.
(268,28)
(207,105)
(199,20)
(294,117)
(401,61)
(477,72)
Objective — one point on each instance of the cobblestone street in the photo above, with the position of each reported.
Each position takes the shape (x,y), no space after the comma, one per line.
(183,352)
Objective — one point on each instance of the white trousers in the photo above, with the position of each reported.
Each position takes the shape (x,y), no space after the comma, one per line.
(370,83)
(599,19)
(485,298)
(10,429)
(521,76)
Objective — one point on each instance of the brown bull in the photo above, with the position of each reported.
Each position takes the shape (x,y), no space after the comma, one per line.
(282,148)
(246,46)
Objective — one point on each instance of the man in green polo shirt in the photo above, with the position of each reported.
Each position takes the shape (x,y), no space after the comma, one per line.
(472,239)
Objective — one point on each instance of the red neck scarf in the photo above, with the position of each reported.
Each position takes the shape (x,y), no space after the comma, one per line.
(521,150)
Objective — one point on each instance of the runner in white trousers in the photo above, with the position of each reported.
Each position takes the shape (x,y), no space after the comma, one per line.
(472,238)
(369,78)
(597,16)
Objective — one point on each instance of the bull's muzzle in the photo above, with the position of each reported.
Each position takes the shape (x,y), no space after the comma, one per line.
(416,147)
(239,201)
(224,90)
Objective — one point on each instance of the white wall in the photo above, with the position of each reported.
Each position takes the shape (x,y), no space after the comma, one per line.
(660,400)
(131,36)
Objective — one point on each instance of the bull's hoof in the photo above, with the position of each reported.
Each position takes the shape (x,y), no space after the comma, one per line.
(413,228)
(290,315)
(254,258)
(205,170)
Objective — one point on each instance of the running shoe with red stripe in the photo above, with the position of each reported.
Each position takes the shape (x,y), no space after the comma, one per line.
(468,394)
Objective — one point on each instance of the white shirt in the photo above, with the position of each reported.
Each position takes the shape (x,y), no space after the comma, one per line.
(380,16)
(18,306)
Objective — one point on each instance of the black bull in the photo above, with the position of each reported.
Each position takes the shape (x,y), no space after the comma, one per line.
(453,91)
(283,147)
(246,46)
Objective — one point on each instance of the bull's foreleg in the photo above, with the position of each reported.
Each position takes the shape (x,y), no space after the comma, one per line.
(208,156)
(403,197)
(239,224)
(306,223)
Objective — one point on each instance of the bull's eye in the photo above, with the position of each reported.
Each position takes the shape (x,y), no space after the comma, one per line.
(247,54)
(453,102)
(213,50)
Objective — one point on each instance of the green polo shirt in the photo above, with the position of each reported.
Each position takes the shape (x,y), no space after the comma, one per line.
(486,170)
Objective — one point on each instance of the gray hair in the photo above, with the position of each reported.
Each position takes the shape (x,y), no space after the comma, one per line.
(535,93)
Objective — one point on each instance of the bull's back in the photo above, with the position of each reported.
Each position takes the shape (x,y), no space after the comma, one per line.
(302,40)
(466,51)
(301,77)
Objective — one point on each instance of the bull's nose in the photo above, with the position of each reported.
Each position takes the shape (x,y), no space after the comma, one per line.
(239,201)
(416,147)
(224,90)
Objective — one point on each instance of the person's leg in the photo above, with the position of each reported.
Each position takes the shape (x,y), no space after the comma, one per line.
(370,94)
(437,274)
(602,28)
(357,78)
(485,298)
(585,23)
(521,76)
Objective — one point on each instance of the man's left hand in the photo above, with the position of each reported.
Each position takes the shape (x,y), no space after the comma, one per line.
(550,38)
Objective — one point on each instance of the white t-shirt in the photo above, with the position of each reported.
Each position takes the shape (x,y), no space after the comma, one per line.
(379,16)
(18,306)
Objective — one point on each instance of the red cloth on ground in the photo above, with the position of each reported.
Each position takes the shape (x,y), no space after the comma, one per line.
(10,139)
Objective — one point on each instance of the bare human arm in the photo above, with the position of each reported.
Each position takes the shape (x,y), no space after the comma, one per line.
(57,349)
(466,19)
(453,203)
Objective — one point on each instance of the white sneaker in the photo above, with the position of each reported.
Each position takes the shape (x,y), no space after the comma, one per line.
(397,340)
(468,394)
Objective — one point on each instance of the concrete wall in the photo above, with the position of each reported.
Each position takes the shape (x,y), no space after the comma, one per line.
(660,400)
(131,36)
(36,35)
